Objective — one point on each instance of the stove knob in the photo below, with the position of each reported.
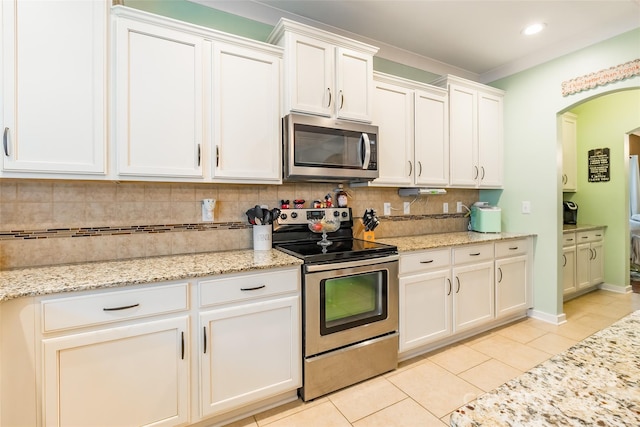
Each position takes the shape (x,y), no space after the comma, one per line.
(345,214)
(283,216)
(294,215)
(336,213)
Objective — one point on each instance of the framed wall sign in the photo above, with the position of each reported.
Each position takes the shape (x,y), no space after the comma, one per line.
(598,159)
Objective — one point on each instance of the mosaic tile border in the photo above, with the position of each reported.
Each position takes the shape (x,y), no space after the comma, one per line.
(60,232)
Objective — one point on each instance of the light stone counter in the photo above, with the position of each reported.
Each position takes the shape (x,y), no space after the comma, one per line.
(79,277)
(567,228)
(433,241)
(594,383)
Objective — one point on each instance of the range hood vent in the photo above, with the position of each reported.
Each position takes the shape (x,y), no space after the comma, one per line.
(416,191)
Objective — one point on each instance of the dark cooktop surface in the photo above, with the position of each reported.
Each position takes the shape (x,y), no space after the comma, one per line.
(339,250)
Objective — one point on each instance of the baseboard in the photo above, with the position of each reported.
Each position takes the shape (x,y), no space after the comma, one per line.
(554,319)
(614,288)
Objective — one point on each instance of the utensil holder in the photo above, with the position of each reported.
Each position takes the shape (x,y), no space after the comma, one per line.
(360,233)
(262,237)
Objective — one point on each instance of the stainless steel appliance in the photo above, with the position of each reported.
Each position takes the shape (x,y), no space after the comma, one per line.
(326,150)
(350,301)
(570,212)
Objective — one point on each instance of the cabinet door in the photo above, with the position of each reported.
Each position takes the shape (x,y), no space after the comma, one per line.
(568,133)
(511,285)
(473,298)
(54,86)
(490,135)
(246,115)
(393,114)
(354,85)
(431,139)
(463,136)
(426,308)
(310,76)
(124,376)
(159,76)
(596,264)
(583,265)
(249,352)
(569,269)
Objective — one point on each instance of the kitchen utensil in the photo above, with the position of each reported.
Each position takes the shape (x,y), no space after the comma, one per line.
(266,217)
(258,214)
(251,216)
(275,214)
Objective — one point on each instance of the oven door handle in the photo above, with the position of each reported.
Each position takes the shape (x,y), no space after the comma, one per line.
(350,264)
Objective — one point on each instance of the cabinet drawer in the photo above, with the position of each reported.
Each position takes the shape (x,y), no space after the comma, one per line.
(113,306)
(242,287)
(569,239)
(424,261)
(511,248)
(472,253)
(589,236)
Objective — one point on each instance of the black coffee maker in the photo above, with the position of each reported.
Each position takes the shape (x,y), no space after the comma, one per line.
(570,212)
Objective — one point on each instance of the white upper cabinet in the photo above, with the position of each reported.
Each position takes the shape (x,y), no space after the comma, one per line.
(159,101)
(325,74)
(193,104)
(54,88)
(246,114)
(413,140)
(568,124)
(475,133)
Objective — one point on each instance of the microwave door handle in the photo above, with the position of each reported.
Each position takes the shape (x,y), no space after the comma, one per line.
(364,138)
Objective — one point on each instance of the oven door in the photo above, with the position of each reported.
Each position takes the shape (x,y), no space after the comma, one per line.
(349,302)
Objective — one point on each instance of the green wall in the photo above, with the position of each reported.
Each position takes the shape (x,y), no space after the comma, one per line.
(603,123)
(533,153)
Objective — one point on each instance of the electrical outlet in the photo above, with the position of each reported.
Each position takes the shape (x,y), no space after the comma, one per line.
(407,208)
(387,209)
(526,207)
(445,207)
(458,207)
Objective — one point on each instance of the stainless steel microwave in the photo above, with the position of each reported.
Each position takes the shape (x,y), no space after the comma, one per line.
(328,150)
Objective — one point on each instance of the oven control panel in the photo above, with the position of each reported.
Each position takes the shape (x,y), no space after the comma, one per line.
(303,216)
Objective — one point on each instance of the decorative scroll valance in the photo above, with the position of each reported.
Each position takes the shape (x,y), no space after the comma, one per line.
(601,78)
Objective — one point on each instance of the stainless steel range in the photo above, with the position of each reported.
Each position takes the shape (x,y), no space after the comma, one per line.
(350,300)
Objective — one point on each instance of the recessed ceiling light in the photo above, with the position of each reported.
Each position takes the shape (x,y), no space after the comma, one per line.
(533,29)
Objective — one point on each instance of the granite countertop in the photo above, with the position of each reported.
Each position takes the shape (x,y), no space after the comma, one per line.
(79,277)
(110,274)
(594,383)
(432,241)
(567,228)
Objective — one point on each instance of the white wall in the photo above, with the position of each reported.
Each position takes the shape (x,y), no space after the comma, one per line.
(533,154)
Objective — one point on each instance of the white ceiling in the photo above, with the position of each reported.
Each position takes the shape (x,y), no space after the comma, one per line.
(476,39)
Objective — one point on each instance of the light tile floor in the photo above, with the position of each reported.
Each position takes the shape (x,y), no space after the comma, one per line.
(424,390)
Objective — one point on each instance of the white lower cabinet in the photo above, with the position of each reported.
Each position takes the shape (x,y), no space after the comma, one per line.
(116,358)
(250,345)
(569,284)
(121,376)
(473,295)
(158,354)
(452,292)
(512,265)
(589,259)
(425,297)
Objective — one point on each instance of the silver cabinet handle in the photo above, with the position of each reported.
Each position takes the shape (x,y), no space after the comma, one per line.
(513,248)
(217,156)
(450,286)
(5,141)
(341,100)
(482,169)
(204,339)
(475,254)
(124,307)
(420,168)
(458,282)
(199,154)
(329,91)
(500,271)
(410,168)
(182,345)
(426,262)
(476,175)
(564,257)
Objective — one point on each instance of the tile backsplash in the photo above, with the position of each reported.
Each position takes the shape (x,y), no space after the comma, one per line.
(47,222)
